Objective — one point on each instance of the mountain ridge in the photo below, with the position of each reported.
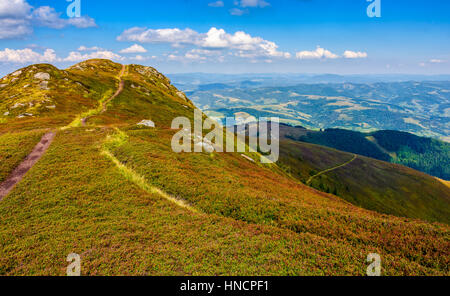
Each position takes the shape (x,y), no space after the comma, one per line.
(250,218)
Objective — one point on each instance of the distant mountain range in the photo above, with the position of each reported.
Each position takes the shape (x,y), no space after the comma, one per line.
(421,108)
(196,81)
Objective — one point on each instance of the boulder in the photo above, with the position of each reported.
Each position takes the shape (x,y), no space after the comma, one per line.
(44,85)
(42,76)
(25,115)
(17,73)
(17,105)
(147,123)
(205,146)
(248,158)
(182,95)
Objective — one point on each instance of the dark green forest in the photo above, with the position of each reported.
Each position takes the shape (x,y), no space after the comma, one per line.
(424,154)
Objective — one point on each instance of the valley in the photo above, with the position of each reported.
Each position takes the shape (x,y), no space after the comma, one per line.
(416,107)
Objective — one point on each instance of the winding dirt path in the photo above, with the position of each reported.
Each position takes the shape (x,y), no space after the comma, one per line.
(331,169)
(118,91)
(17,175)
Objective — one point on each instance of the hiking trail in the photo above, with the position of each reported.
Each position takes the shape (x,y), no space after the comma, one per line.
(19,172)
(330,170)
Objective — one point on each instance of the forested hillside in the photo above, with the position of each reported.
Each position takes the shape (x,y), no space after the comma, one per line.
(424,154)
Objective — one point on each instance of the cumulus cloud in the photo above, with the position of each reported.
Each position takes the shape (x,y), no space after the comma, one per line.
(141,58)
(14,19)
(172,36)
(136,48)
(243,5)
(83,22)
(76,56)
(94,48)
(27,55)
(253,3)
(46,16)
(14,28)
(214,39)
(14,8)
(348,54)
(437,61)
(319,53)
(238,12)
(17,19)
(216,4)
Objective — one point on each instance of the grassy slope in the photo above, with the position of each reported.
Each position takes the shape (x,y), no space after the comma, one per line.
(120,229)
(420,153)
(14,147)
(249,220)
(369,183)
(70,93)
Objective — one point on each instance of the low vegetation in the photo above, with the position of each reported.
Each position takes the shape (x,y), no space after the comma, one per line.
(14,147)
(117,194)
(367,182)
(424,154)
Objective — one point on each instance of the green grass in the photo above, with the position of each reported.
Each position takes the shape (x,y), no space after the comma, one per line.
(14,147)
(120,139)
(117,195)
(229,186)
(74,94)
(368,183)
(119,228)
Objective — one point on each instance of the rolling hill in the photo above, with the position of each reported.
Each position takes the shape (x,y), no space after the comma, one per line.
(358,177)
(115,193)
(424,154)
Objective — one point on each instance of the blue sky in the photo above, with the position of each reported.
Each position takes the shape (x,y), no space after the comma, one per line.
(232,36)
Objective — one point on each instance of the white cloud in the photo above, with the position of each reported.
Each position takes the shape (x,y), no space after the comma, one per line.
(75,56)
(238,12)
(14,8)
(17,19)
(136,48)
(254,3)
(173,36)
(214,39)
(319,53)
(83,22)
(14,19)
(216,4)
(14,28)
(194,56)
(141,58)
(348,54)
(437,61)
(94,48)
(247,4)
(198,55)
(46,16)
(27,56)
